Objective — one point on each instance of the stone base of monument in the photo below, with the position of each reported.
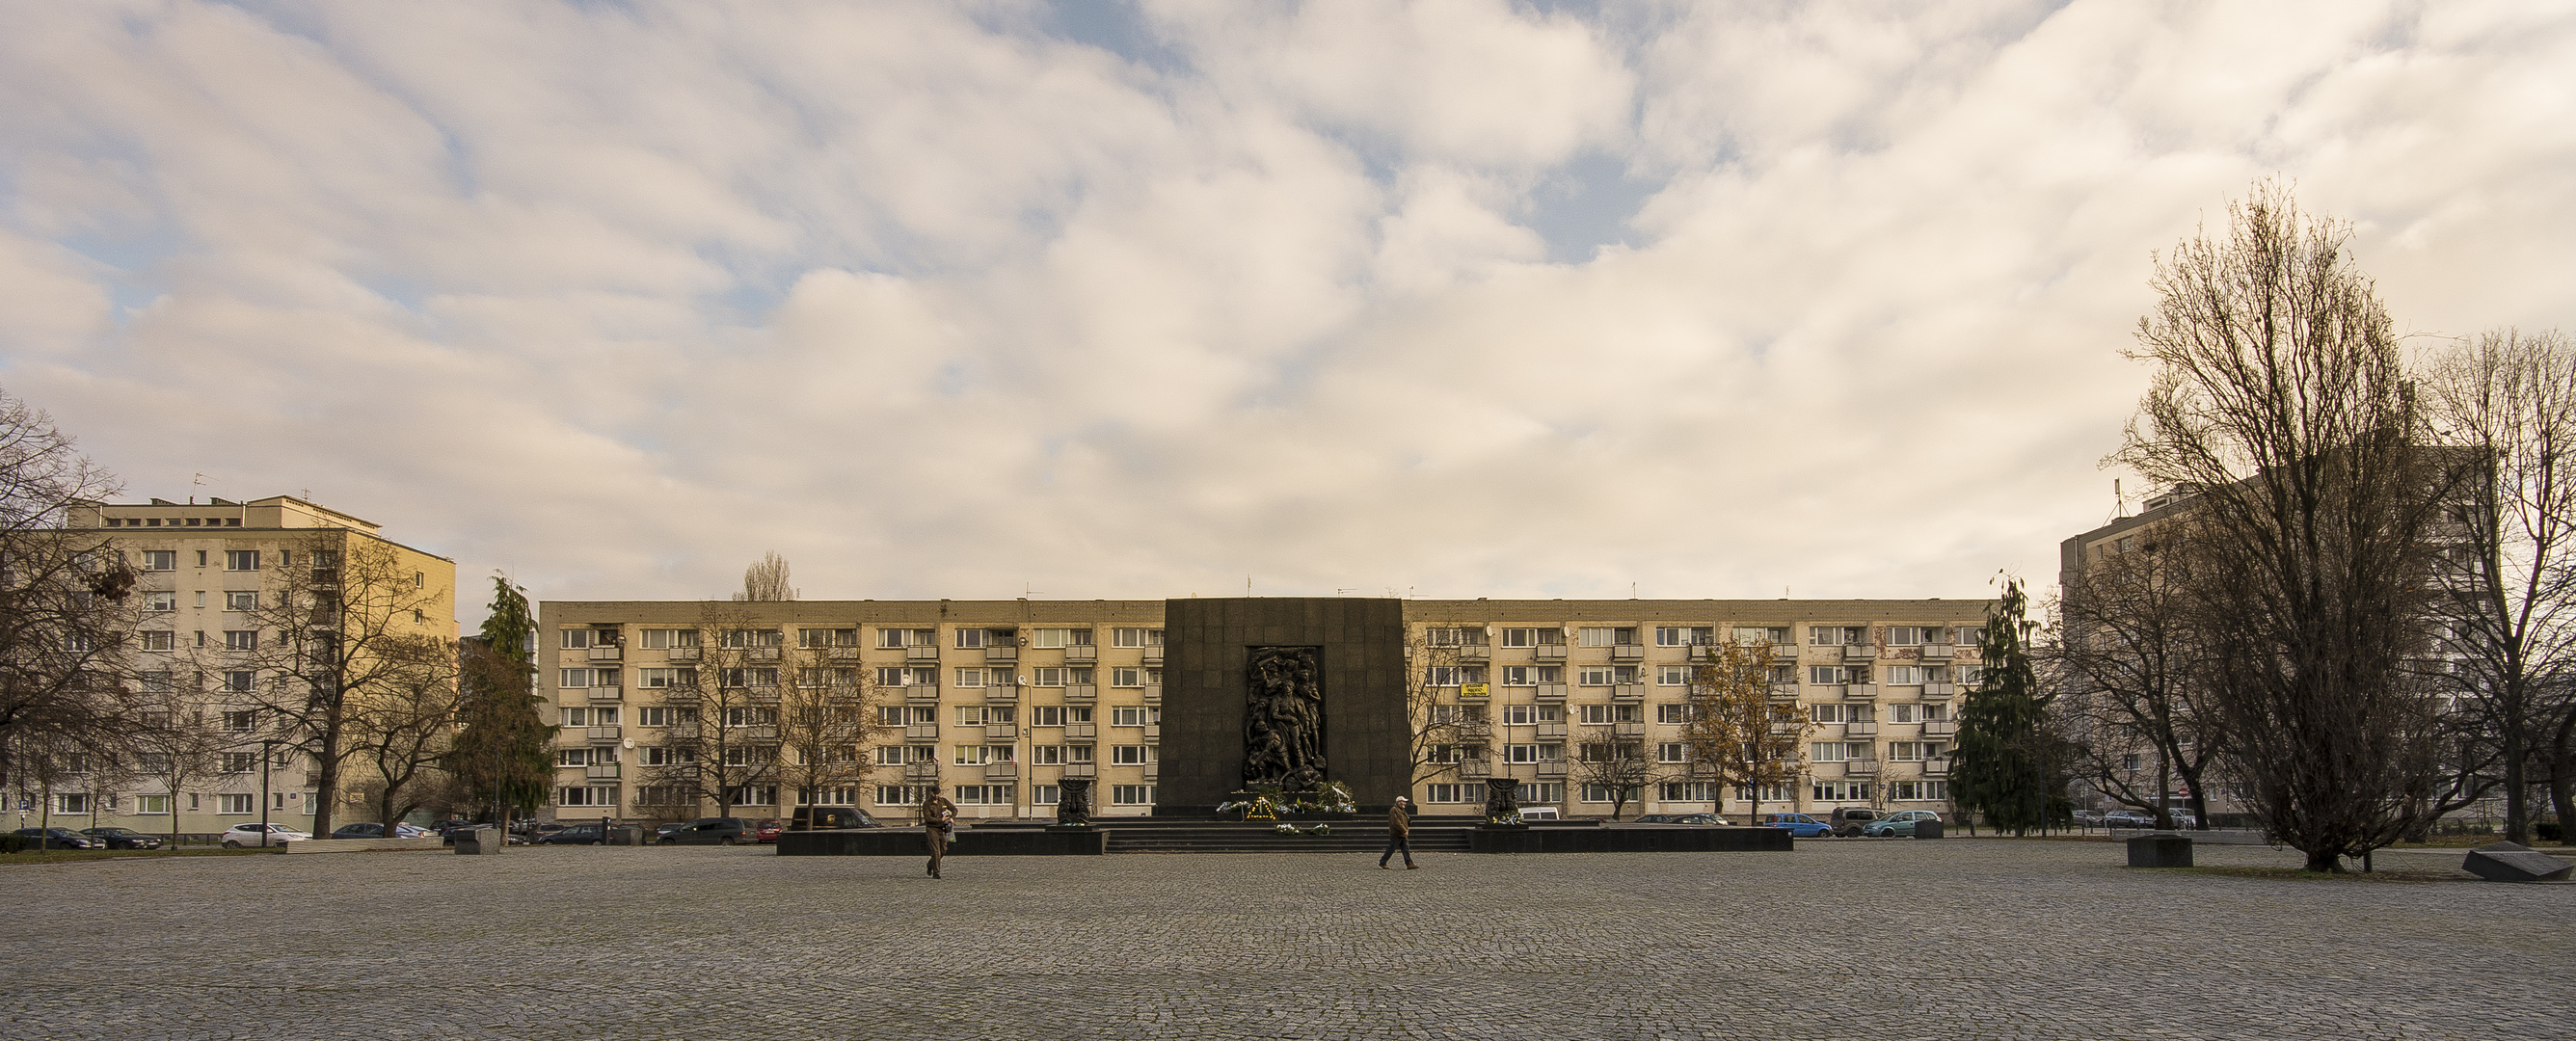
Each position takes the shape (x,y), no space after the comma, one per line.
(2160,850)
(2515,862)
(1524,838)
(1047,841)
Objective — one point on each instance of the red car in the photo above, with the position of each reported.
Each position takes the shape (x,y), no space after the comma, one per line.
(767,830)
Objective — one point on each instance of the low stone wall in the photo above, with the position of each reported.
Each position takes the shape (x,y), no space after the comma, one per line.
(967,842)
(363,845)
(1638,839)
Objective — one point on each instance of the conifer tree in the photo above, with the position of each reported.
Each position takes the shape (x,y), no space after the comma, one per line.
(2001,768)
(503,752)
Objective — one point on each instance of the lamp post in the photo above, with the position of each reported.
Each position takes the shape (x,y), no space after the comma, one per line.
(267,755)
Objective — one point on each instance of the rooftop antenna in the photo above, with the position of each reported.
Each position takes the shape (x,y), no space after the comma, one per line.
(1247,585)
(2120,507)
(193,485)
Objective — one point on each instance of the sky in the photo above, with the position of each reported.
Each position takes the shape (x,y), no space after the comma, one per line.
(1111,300)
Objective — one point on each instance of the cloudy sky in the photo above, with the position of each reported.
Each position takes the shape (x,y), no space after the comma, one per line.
(1454,298)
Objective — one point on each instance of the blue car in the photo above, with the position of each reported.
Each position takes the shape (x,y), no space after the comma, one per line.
(1800,825)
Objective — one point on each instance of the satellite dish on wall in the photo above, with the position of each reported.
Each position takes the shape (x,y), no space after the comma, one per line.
(630,744)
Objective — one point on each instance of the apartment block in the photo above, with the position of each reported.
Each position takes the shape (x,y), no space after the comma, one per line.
(999,700)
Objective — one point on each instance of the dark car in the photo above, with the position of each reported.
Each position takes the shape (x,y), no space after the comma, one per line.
(2128,819)
(123,838)
(831,817)
(711,831)
(1848,821)
(576,835)
(372,830)
(58,838)
(1680,818)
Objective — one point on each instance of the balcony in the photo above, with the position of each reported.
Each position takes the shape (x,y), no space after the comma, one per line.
(842,652)
(1631,692)
(1002,692)
(760,654)
(1153,731)
(1940,691)
(1940,727)
(763,732)
(1830,690)
(1552,729)
(1940,651)
(684,654)
(1550,692)
(1001,771)
(1085,731)
(611,652)
(1550,651)
(1787,729)
(1475,729)
(1860,691)
(921,771)
(1859,651)
(602,771)
(602,735)
(1936,768)
(1153,771)
(1861,728)
(1628,652)
(1080,770)
(1475,654)
(1628,730)
(921,652)
(1860,768)
(1784,692)
(1153,693)
(1002,654)
(924,732)
(599,694)
(684,731)
(326,578)
(1001,731)
(1081,652)
(1154,655)
(1082,692)
(1475,769)
(1551,768)
(921,692)
(765,694)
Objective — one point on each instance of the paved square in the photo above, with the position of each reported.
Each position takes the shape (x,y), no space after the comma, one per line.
(1883,939)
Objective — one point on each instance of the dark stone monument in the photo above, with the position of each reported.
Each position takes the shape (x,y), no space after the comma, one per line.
(1292,691)
(1502,800)
(2515,862)
(2160,849)
(1073,802)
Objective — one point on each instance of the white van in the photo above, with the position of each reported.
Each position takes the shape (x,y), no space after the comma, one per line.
(1538,813)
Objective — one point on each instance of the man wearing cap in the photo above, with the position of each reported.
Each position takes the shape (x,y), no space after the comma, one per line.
(937,816)
(1399,833)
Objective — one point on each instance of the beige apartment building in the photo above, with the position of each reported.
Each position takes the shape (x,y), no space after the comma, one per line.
(999,700)
(209,578)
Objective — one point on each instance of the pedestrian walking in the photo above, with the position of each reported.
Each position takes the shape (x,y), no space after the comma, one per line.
(1399,833)
(938,815)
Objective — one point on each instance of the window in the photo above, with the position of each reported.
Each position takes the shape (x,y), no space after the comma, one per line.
(1599,636)
(1608,793)
(1672,714)
(658,756)
(160,602)
(1754,635)
(158,640)
(587,795)
(576,678)
(1836,635)
(1908,636)
(241,600)
(1136,637)
(152,805)
(1448,793)
(747,677)
(1842,791)
(1972,675)
(1672,675)
(241,560)
(986,794)
(1061,638)
(733,717)
(750,638)
(662,679)
(901,794)
(155,683)
(1828,751)
(1835,713)
(824,638)
(1684,636)
(1828,675)
(1913,751)
(1905,675)
(1919,791)
(983,715)
(71,802)
(1670,752)
(241,639)
(1135,715)
(1048,677)
(1902,712)
(237,762)
(655,639)
(1968,634)
(1686,791)
(240,681)
(1593,676)
(1130,755)
(1131,794)
(236,804)
(1045,794)
(1542,793)
(1532,675)
(1454,675)
(160,560)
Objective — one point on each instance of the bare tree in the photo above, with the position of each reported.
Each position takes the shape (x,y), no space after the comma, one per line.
(2508,621)
(1743,735)
(827,723)
(66,604)
(766,580)
(2279,399)
(1446,729)
(339,623)
(2132,674)
(407,727)
(176,743)
(1617,763)
(724,732)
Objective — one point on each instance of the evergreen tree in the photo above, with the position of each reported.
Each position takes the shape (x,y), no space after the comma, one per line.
(503,753)
(2002,767)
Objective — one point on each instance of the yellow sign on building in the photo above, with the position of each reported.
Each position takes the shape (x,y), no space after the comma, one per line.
(1474,690)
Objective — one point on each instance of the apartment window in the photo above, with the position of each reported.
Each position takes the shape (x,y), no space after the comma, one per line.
(160,560)
(1836,635)
(241,639)
(237,762)
(825,638)
(747,677)
(1669,752)
(1972,675)
(1520,753)
(1968,634)
(750,638)
(1835,713)
(1448,793)
(1542,793)
(1608,793)
(986,794)
(1841,791)
(1828,751)
(241,560)
(1828,675)
(983,715)
(1687,791)
(155,683)
(1454,675)
(160,602)
(1754,635)
(1136,637)
(236,804)
(1061,638)
(1905,675)
(1520,715)
(1134,715)
(734,717)
(1045,794)
(1672,714)
(660,679)
(902,794)
(158,640)
(1913,751)
(1601,636)
(1919,791)
(1130,755)
(240,681)
(1672,675)
(241,600)
(973,638)
(1902,712)
(152,805)
(1532,675)
(1047,677)
(970,677)
(1593,676)
(576,678)
(1684,636)
(1131,794)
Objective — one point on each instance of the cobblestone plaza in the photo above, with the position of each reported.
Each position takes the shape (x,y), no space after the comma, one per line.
(1882,939)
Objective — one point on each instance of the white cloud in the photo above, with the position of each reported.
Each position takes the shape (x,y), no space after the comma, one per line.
(937,305)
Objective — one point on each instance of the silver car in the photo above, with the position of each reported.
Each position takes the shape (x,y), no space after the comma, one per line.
(244,835)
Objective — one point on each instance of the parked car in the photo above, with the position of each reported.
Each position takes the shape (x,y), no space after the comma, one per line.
(58,838)
(1800,825)
(1538,813)
(2088,818)
(573,835)
(829,818)
(1849,820)
(711,831)
(372,830)
(1899,824)
(122,838)
(1658,818)
(767,830)
(2128,819)
(2184,819)
(664,832)
(244,835)
(1681,818)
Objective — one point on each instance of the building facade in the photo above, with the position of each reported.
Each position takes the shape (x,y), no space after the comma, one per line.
(214,582)
(999,700)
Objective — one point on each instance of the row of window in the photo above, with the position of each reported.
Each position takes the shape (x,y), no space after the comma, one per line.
(970,638)
(85,804)
(1701,635)
(824,639)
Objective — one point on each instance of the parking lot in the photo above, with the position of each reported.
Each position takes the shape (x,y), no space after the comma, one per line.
(1877,938)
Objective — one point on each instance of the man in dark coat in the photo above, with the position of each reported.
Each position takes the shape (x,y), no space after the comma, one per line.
(937,816)
(1399,833)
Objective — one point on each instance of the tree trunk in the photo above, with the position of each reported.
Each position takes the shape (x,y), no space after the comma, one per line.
(2324,861)
(2517,809)
(2562,778)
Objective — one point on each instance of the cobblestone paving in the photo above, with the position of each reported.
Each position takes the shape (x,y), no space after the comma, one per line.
(1882,939)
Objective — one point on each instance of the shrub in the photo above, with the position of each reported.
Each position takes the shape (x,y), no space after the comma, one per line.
(2548,831)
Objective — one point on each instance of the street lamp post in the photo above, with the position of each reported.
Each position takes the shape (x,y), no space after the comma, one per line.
(267,755)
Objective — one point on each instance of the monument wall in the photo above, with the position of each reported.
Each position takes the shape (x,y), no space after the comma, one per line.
(1359,658)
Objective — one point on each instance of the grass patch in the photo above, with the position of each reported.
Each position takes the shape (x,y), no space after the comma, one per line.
(66,856)
(2288,874)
